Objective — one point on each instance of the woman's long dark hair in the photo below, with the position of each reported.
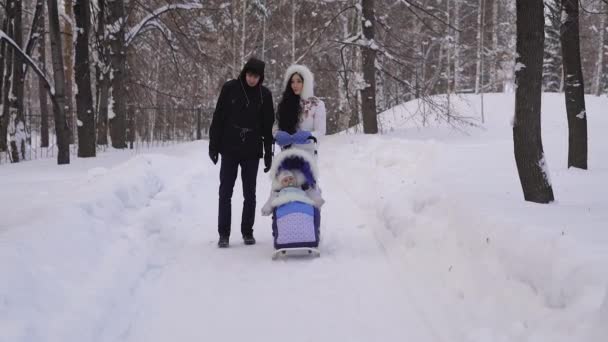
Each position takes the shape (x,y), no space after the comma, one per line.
(288,112)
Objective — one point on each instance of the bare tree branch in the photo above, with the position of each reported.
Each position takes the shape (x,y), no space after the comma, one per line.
(135,30)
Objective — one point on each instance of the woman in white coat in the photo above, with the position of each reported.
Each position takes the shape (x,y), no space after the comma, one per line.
(299,109)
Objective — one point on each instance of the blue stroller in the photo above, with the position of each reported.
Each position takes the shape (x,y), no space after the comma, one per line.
(296,221)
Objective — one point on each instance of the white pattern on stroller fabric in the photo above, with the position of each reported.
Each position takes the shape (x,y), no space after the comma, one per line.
(295,224)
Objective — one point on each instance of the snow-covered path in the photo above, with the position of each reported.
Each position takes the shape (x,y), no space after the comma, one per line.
(425,237)
(193,291)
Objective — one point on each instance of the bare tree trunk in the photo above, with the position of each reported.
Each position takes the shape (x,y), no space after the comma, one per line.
(16,103)
(103,76)
(493,67)
(509,64)
(42,93)
(118,128)
(457,50)
(233,14)
(368,94)
(264,35)
(293,30)
(68,46)
(7,67)
(601,50)
(343,100)
(356,61)
(84,97)
(480,35)
(243,30)
(528,147)
(61,128)
(448,87)
(552,64)
(574,86)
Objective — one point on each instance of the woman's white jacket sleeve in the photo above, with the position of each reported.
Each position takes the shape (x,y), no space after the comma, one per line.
(320,119)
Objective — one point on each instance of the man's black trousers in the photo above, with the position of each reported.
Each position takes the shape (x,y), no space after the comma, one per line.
(228,173)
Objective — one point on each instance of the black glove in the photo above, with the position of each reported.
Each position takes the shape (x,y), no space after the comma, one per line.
(213,155)
(267,162)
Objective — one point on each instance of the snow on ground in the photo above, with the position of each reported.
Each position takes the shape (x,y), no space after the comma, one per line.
(425,236)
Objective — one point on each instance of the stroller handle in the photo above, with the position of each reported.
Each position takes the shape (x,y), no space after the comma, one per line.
(310,137)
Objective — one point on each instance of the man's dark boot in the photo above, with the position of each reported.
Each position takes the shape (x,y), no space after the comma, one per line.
(249,239)
(223,242)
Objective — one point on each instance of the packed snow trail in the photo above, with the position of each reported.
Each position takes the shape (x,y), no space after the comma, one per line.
(197,292)
(425,237)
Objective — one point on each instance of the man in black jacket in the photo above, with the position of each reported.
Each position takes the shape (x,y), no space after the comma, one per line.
(241,131)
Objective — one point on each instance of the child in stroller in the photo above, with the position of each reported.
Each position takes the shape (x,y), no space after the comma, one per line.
(290,186)
(295,200)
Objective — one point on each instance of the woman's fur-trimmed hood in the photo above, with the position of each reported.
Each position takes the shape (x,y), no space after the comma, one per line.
(307,77)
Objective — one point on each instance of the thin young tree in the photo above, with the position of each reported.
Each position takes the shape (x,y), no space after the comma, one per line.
(601,48)
(527,140)
(574,86)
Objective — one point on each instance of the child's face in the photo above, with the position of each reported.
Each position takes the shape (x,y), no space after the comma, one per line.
(287,181)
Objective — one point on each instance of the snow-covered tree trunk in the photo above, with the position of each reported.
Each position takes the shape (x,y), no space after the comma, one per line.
(243,30)
(368,93)
(264,36)
(529,156)
(235,51)
(552,62)
(601,49)
(480,36)
(344,109)
(68,46)
(448,87)
(509,64)
(17,118)
(155,101)
(61,127)
(355,64)
(7,69)
(42,93)
(494,65)
(102,75)
(574,86)
(293,29)
(431,83)
(84,96)
(117,116)
(457,48)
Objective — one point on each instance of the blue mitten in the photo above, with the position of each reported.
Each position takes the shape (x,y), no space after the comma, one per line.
(283,138)
(301,137)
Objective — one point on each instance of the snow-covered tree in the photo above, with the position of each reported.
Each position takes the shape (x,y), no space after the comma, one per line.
(574,86)
(529,156)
